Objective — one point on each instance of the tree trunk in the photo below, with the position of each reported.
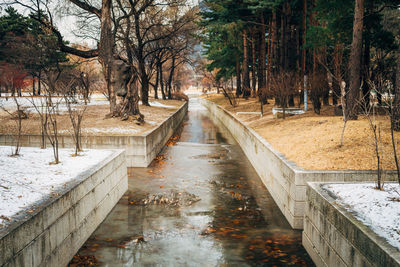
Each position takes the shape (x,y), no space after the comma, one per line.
(144,89)
(171,76)
(253,63)
(262,82)
(106,52)
(269,56)
(355,61)
(282,45)
(365,70)
(291,101)
(335,91)
(274,41)
(396,105)
(130,104)
(338,58)
(144,82)
(325,84)
(162,82)
(245,67)
(144,79)
(238,80)
(304,52)
(39,83)
(33,86)
(157,80)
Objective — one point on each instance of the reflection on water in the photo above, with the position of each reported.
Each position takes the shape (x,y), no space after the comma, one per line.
(236,221)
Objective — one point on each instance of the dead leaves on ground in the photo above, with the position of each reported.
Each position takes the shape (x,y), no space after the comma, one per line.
(83,260)
(173,140)
(171,198)
(8,219)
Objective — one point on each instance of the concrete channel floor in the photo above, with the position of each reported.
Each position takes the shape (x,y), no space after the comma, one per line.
(200,203)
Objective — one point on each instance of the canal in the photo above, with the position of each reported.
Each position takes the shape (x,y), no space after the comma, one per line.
(200,203)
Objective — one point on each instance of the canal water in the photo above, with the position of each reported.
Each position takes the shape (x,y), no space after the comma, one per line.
(200,203)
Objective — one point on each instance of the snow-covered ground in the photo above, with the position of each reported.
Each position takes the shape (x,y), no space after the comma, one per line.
(288,111)
(111,130)
(193,91)
(157,104)
(26,103)
(29,177)
(380,210)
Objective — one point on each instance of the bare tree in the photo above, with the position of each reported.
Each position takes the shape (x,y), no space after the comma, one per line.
(370,113)
(338,84)
(148,31)
(52,126)
(283,85)
(17,117)
(41,110)
(51,81)
(76,113)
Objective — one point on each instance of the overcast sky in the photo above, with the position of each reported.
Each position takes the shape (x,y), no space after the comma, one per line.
(67,25)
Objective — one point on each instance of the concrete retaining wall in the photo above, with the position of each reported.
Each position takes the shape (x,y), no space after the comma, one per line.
(333,237)
(140,149)
(52,235)
(285,181)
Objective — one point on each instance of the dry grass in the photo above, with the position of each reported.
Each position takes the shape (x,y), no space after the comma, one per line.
(313,141)
(95,118)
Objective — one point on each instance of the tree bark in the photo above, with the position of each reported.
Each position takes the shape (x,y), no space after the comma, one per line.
(253,63)
(144,81)
(157,80)
(337,61)
(304,51)
(245,66)
(106,52)
(33,86)
(396,105)
(130,104)
(171,76)
(238,79)
(262,82)
(274,41)
(355,61)
(365,70)
(162,82)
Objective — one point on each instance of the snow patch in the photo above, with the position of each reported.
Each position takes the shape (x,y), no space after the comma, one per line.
(26,103)
(111,130)
(380,210)
(157,104)
(29,178)
(288,111)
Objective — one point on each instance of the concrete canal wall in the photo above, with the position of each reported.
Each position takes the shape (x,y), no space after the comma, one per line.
(334,237)
(286,182)
(53,234)
(140,149)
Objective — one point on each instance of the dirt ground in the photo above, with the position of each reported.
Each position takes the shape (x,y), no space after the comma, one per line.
(313,141)
(94,120)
